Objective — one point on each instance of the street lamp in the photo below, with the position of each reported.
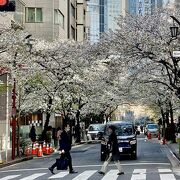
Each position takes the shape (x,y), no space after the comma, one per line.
(174,29)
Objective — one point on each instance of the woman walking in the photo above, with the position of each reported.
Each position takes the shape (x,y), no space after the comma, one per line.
(113,152)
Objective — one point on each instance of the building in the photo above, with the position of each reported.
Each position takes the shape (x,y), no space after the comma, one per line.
(172,3)
(104,13)
(5,109)
(49,20)
(56,19)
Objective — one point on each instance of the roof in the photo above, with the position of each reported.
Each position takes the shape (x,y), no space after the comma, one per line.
(119,122)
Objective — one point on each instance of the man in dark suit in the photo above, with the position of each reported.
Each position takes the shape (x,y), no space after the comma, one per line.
(65,147)
(113,152)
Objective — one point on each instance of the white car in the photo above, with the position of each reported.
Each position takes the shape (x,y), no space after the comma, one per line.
(94,130)
(153,129)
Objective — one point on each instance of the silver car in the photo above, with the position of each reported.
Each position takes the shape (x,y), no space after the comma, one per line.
(94,130)
(153,129)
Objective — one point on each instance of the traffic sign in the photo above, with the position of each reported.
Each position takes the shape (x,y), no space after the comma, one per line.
(176,53)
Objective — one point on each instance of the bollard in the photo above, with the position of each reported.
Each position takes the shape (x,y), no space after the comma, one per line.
(179,142)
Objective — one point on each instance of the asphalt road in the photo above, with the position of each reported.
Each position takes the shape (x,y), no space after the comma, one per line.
(152,164)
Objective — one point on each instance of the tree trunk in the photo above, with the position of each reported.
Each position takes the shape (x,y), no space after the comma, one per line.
(78,135)
(173,137)
(48,115)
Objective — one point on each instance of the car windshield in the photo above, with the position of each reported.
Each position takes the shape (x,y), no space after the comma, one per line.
(97,127)
(123,129)
(152,126)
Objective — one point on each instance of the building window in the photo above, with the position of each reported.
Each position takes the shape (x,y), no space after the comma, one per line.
(73,10)
(58,18)
(73,32)
(34,15)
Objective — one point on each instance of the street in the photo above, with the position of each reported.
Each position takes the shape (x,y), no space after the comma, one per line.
(152,164)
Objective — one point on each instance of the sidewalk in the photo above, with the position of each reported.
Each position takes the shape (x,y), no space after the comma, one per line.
(10,161)
(174,147)
(25,158)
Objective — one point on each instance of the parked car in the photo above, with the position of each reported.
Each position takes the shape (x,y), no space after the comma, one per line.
(94,131)
(127,141)
(153,129)
(145,127)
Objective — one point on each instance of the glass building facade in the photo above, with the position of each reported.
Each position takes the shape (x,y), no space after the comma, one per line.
(104,13)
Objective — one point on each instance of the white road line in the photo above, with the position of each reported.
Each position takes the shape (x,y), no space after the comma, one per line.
(164,170)
(138,177)
(85,175)
(10,177)
(139,171)
(111,175)
(34,176)
(84,166)
(59,175)
(167,177)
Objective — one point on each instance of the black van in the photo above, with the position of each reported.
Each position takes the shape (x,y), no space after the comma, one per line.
(126,135)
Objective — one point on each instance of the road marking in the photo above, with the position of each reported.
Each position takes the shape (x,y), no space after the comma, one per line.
(84,166)
(85,175)
(167,177)
(139,171)
(164,170)
(34,176)
(59,175)
(138,177)
(10,177)
(111,175)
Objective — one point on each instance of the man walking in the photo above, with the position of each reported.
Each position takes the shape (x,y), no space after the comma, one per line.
(65,147)
(113,152)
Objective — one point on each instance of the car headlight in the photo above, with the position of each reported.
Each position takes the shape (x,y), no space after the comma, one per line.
(133,142)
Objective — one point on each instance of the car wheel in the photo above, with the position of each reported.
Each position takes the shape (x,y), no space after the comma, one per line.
(134,156)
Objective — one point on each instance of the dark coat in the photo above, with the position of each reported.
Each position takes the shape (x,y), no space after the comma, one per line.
(113,146)
(65,143)
(32,134)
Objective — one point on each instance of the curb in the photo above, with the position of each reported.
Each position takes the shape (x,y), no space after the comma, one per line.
(34,157)
(175,154)
(16,161)
(175,162)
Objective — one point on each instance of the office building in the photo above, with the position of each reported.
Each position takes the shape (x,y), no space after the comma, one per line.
(49,20)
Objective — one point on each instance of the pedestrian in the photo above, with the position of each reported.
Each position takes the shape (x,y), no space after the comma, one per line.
(58,135)
(65,147)
(32,134)
(113,152)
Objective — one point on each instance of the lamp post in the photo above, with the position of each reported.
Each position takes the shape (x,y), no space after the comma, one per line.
(14,123)
(13,118)
(174,29)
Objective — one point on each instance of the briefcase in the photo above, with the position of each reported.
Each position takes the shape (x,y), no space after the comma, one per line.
(62,163)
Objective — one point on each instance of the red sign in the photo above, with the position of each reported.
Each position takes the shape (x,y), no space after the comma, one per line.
(3,2)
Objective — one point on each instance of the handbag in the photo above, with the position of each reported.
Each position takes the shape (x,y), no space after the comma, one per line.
(62,163)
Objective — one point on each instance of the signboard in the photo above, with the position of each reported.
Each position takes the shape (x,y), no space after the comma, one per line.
(176,53)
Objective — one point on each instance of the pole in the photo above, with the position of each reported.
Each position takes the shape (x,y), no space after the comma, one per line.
(13,119)
(7,115)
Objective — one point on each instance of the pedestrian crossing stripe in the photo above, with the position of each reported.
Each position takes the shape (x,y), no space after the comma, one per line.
(59,175)
(137,174)
(110,174)
(9,177)
(167,177)
(85,175)
(138,177)
(34,176)
(139,171)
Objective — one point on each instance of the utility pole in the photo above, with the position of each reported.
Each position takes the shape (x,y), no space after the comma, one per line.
(13,119)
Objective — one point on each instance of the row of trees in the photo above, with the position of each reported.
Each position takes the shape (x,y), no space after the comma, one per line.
(133,64)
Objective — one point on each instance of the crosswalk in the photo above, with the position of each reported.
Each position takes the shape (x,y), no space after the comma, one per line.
(136,174)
